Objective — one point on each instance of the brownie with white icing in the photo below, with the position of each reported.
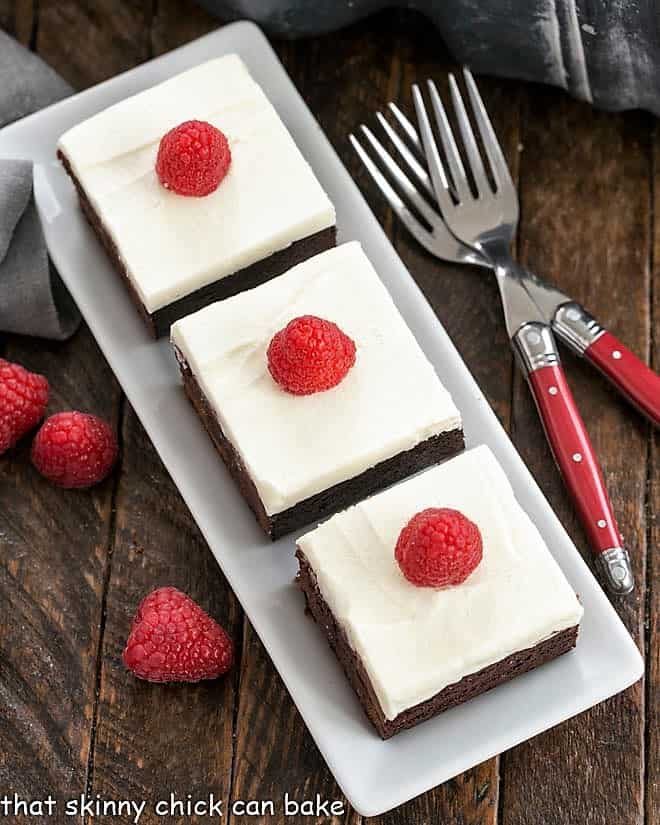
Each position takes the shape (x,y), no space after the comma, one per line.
(180,253)
(411,652)
(298,458)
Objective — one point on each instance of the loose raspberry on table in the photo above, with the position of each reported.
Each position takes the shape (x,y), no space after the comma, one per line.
(23,400)
(173,640)
(74,449)
(310,355)
(439,547)
(193,158)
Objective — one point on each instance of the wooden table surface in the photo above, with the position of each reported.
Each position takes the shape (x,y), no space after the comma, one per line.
(73,565)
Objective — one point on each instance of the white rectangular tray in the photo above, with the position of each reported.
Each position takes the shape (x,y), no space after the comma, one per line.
(374,775)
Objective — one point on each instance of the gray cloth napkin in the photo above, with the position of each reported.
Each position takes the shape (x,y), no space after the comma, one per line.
(33,299)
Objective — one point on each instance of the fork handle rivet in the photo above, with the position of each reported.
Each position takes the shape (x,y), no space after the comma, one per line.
(553,390)
(602,522)
(577,457)
(616,355)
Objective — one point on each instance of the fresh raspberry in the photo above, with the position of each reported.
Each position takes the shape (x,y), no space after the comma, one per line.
(74,449)
(310,355)
(23,399)
(438,547)
(193,158)
(174,640)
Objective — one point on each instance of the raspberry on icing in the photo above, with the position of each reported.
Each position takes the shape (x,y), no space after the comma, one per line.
(439,547)
(23,400)
(173,640)
(74,449)
(193,158)
(310,355)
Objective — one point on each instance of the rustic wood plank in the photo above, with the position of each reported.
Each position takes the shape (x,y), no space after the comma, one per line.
(325,70)
(275,755)
(155,739)
(585,198)
(87,42)
(7,15)
(152,740)
(274,752)
(53,561)
(176,22)
(467,303)
(466,299)
(19,18)
(543,780)
(652,773)
(388,53)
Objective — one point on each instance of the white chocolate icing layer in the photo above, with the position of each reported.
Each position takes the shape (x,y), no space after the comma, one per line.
(172,245)
(415,641)
(296,446)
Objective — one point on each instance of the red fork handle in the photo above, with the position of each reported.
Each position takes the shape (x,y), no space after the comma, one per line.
(585,336)
(573,451)
(575,457)
(629,375)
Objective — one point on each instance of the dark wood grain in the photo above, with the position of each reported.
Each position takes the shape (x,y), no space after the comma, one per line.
(74,566)
(19,19)
(87,42)
(274,751)
(151,740)
(54,550)
(586,218)
(7,12)
(653,534)
(176,22)
(468,313)
(466,301)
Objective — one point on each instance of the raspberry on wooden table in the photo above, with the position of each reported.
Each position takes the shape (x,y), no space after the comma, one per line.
(23,400)
(439,547)
(173,640)
(310,355)
(193,158)
(74,449)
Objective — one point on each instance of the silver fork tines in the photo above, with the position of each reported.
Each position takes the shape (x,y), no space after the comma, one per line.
(470,207)
(489,215)
(417,200)
(456,168)
(406,125)
(498,165)
(392,197)
(395,184)
(415,166)
(474,158)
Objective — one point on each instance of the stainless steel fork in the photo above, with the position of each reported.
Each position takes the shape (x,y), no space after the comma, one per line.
(477,227)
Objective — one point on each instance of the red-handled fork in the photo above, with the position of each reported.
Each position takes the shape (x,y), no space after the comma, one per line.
(478,227)
(570,321)
(486,220)
(580,331)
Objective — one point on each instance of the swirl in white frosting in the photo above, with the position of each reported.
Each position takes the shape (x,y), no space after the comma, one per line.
(172,245)
(296,446)
(415,641)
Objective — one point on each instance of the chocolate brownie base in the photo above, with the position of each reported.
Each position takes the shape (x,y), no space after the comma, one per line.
(159,322)
(338,497)
(468,687)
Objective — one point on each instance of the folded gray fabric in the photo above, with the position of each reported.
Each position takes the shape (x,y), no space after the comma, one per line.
(33,300)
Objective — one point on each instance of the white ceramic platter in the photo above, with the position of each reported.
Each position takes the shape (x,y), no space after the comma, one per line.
(374,775)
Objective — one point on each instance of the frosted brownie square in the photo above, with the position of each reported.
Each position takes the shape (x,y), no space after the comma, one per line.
(412,651)
(180,253)
(298,458)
